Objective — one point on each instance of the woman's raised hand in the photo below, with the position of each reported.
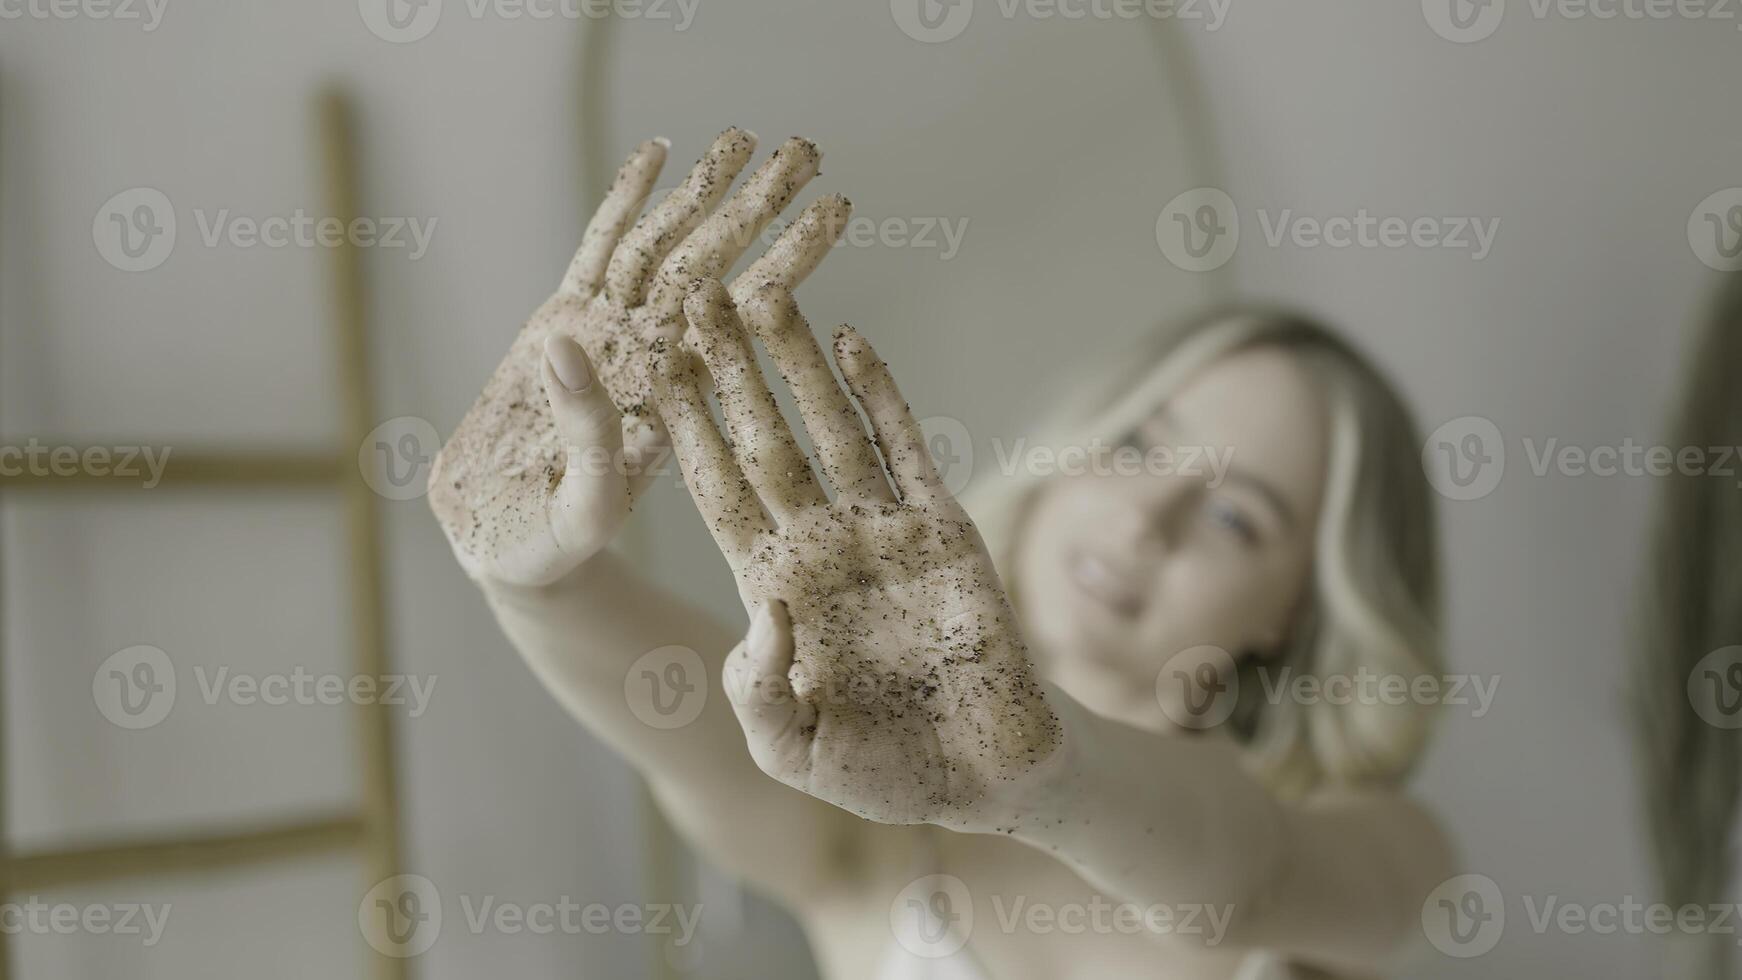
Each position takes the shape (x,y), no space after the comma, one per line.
(540,474)
(883,672)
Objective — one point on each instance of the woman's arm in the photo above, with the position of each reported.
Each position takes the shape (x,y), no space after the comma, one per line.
(1337,881)
(884,671)
(583,636)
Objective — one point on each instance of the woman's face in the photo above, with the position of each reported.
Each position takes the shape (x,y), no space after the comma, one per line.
(1202,537)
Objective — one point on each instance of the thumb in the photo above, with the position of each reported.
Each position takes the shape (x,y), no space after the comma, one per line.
(777,726)
(591,498)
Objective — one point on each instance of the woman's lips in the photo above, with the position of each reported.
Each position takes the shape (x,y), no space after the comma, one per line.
(1105,584)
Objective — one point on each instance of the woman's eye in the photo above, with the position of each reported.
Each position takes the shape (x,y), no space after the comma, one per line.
(1228,516)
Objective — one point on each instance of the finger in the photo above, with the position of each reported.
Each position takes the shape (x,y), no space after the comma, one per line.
(777,726)
(646,446)
(712,248)
(844,451)
(590,492)
(761,439)
(642,249)
(727,503)
(622,203)
(799,249)
(898,435)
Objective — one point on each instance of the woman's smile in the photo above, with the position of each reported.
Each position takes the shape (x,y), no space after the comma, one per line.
(1106,583)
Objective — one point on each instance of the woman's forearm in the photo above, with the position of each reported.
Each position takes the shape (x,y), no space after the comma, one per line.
(1153,820)
(585,635)
(1178,823)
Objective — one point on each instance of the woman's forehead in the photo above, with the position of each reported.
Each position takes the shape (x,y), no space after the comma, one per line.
(1266,408)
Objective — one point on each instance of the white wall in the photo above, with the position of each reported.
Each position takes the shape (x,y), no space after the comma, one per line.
(1057,142)
(1592,142)
(476,127)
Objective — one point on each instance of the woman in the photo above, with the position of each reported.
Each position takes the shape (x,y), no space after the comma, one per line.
(1097,779)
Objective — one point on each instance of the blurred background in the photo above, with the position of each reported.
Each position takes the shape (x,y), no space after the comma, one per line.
(1019,171)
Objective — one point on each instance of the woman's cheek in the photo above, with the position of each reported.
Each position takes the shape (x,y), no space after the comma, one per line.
(1198,605)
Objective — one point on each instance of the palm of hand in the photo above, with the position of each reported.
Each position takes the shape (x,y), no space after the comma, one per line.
(905,647)
(495,477)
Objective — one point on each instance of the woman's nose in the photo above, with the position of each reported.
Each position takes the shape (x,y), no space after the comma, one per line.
(1159,505)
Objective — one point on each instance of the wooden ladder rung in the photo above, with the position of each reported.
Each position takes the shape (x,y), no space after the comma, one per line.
(28,871)
(211,468)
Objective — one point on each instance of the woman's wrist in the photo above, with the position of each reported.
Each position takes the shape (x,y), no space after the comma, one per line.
(1045,797)
(603,563)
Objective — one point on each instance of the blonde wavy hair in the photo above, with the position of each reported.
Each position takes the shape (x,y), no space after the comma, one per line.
(1374,600)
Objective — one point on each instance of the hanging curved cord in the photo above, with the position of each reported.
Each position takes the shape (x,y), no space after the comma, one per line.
(1201,149)
(660,845)
(5,743)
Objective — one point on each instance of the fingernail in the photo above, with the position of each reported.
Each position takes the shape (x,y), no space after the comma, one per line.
(848,344)
(760,624)
(663,142)
(569,362)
